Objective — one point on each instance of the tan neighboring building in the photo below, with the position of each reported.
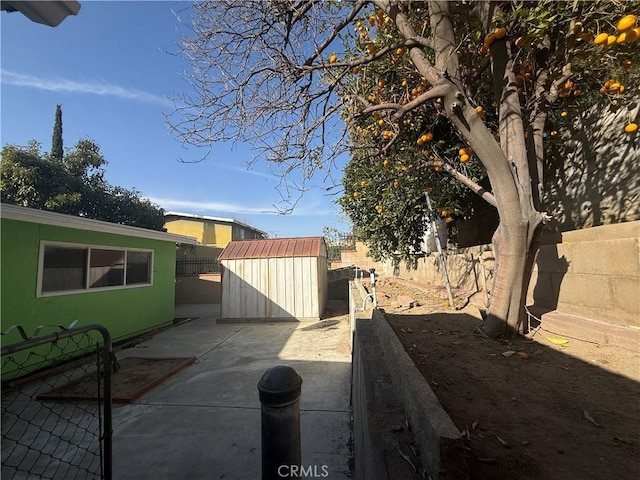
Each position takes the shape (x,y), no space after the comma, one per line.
(211,231)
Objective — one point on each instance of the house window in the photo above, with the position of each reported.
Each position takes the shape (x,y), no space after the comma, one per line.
(106,267)
(138,267)
(64,269)
(70,268)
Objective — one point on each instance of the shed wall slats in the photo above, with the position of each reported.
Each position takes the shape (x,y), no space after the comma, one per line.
(275,287)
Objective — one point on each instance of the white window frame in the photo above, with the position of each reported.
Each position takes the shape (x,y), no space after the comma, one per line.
(88,247)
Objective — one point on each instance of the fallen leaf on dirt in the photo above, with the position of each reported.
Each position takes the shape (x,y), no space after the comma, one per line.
(523,354)
(590,418)
(504,444)
(409,330)
(475,424)
(525,442)
(508,353)
(557,340)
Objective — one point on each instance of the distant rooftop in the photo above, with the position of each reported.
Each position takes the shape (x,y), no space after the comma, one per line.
(213,219)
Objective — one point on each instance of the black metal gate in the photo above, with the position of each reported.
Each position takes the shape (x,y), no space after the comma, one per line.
(58,437)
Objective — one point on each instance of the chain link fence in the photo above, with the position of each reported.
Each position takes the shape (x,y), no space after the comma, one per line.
(56,405)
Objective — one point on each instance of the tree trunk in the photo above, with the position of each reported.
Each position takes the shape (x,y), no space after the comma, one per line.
(515,248)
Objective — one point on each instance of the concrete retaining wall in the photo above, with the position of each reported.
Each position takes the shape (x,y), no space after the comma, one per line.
(441,446)
(389,393)
(203,289)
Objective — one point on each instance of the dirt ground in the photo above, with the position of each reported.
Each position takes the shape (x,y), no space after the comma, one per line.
(529,408)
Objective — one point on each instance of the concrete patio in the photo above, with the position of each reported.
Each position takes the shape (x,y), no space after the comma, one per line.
(204,422)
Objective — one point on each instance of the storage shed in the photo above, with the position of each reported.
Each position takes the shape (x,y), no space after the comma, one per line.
(274,279)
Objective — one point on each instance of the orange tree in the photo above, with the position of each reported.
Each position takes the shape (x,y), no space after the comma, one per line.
(428,90)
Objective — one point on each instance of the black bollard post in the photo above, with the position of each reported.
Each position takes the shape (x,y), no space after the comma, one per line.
(279,390)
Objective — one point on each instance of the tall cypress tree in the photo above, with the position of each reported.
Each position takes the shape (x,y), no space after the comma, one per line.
(56,139)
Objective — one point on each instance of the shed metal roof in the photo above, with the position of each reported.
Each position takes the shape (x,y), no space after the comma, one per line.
(273,248)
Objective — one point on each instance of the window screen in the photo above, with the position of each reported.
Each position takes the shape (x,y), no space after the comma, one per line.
(138,267)
(106,268)
(64,269)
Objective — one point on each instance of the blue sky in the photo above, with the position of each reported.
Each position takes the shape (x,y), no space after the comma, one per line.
(109,69)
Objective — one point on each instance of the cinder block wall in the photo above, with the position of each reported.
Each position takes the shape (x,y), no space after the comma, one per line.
(357,257)
(592,272)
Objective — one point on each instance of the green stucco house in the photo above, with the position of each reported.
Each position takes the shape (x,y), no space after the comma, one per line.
(57,269)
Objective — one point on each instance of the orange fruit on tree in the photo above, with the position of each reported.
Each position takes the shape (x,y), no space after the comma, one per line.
(611,39)
(519,41)
(385,163)
(464,158)
(363,183)
(333,58)
(480,111)
(356,194)
(601,39)
(564,114)
(463,151)
(554,133)
(626,22)
(490,38)
(631,128)
(500,33)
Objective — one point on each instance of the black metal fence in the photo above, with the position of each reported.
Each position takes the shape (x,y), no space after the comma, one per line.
(191,267)
(56,416)
(345,241)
